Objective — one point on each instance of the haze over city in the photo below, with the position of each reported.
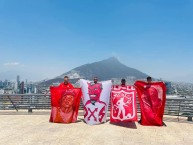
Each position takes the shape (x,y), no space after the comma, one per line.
(44,39)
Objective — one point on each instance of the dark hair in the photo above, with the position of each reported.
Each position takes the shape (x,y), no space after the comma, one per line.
(123,80)
(149,78)
(95,78)
(66,77)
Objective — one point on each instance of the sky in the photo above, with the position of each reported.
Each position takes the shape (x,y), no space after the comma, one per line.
(42,39)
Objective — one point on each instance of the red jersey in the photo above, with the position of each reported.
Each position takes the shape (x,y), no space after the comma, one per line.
(66,86)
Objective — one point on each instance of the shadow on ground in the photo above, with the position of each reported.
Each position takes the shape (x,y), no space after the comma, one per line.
(130,125)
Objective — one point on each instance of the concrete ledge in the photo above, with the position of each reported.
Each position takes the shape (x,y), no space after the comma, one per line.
(25,128)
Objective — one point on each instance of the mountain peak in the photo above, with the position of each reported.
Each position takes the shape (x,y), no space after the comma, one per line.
(105,69)
(112,59)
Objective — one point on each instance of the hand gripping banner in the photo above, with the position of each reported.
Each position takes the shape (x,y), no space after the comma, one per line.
(123,104)
(64,104)
(152,98)
(95,100)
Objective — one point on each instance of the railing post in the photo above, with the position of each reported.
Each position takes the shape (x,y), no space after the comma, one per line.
(189,118)
(30,104)
(30,110)
(179,111)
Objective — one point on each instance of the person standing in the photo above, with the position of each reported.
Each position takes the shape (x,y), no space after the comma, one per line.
(66,84)
(95,80)
(123,82)
(149,80)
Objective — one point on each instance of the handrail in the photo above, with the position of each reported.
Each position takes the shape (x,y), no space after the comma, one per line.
(24,95)
(174,106)
(179,99)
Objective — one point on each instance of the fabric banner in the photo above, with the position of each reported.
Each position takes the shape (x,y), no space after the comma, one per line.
(64,104)
(152,98)
(123,104)
(95,100)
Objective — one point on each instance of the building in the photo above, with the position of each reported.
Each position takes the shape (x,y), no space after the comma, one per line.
(2,91)
(21,88)
(169,87)
(17,84)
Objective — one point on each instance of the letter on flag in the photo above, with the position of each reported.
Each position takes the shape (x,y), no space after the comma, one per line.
(64,104)
(123,104)
(152,98)
(95,100)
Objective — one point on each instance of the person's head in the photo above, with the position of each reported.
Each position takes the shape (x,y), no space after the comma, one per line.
(66,79)
(67,101)
(149,79)
(95,80)
(123,81)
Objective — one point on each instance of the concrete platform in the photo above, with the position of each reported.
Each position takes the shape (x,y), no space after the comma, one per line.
(22,128)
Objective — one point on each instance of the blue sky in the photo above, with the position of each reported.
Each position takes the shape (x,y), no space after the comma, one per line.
(45,38)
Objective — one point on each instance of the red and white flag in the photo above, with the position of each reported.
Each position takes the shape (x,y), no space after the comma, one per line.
(123,104)
(152,98)
(64,104)
(95,100)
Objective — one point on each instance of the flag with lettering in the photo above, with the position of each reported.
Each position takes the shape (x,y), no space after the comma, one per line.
(152,98)
(95,100)
(64,104)
(123,104)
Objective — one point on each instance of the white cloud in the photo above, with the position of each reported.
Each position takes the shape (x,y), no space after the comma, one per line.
(11,64)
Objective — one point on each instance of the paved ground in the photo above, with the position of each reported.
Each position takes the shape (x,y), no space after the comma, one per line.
(34,129)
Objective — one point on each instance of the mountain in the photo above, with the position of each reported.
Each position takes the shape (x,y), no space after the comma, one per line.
(106,69)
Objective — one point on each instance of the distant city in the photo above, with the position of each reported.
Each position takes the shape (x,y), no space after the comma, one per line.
(19,87)
(24,87)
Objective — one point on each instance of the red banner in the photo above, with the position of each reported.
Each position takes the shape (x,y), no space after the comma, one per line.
(65,104)
(123,104)
(152,98)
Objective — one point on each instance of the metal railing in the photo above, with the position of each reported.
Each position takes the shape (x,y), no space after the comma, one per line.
(24,101)
(174,106)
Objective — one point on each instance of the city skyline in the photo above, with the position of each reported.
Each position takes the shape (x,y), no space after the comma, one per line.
(44,39)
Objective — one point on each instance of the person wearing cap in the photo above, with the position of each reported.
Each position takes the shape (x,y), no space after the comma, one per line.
(66,84)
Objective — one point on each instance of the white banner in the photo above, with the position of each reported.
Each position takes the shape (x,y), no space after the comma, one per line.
(95,100)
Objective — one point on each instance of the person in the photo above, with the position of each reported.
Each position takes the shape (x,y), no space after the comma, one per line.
(123,82)
(147,99)
(66,84)
(149,80)
(150,97)
(95,80)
